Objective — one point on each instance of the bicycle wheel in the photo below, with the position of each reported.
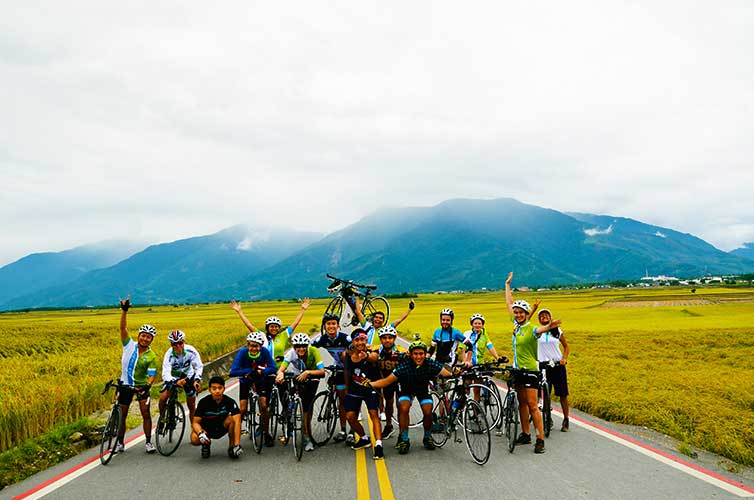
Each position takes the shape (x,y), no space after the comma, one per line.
(334,307)
(255,426)
(297,427)
(415,415)
(324,416)
(439,419)
(477,432)
(511,419)
(169,435)
(273,404)
(109,435)
(489,398)
(376,304)
(546,409)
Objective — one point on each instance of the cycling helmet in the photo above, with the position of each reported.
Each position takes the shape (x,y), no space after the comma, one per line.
(273,320)
(447,312)
(300,339)
(148,329)
(330,316)
(387,330)
(176,336)
(522,304)
(476,316)
(417,344)
(257,337)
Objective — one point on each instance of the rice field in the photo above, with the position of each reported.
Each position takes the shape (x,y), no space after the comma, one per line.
(679,363)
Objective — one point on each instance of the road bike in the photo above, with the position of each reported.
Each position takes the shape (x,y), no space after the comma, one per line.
(489,394)
(292,418)
(345,292)
(511,418)
(545,397)
(459,410)
(325,410)
(275,407)
(110,431)
(172,422)
(252,420)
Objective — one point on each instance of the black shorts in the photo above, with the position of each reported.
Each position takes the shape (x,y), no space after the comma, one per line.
(558,379)
(339,379)
(261,386)
(215,432)
(126,394)
(388,393)
(420,393)
(308,390)
(352,402)
(188,388)
(527,378)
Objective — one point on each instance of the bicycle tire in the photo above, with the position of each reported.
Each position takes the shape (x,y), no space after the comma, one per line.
(324,417)
(273,406)
(109,435)
(439,419)
(374,304)
(546,409)
(476,432)
(297,427)
(168,439)
(415,415)
(334,307)
(511,419)
(489,398)
(255,427)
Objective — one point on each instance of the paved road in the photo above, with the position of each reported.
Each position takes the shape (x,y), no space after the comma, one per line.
(588,462)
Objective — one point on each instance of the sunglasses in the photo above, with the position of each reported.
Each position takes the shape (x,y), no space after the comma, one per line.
(178,343)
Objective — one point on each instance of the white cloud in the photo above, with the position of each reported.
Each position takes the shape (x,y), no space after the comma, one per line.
(660,235)
(596,231)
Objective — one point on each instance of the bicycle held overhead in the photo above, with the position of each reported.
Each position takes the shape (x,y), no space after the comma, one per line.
(347,292)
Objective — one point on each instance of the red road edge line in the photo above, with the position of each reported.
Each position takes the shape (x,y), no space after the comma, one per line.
(84,463)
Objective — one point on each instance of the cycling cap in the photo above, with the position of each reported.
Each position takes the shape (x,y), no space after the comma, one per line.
(447,312)
(273,320)
(256,337)
(522,304)
(544,311)
(476,316)
(298,339)
(387,330)
(176,336)
(148,329)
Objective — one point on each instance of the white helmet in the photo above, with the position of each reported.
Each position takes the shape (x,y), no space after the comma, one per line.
(256,337)
(176,336)
(476,316)
(522,304)
(448,312)
(300,339)
(148,329)
(387,330)
(273,320)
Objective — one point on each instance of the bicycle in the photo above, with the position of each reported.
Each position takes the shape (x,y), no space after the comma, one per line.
(545,397)
(325,410)
(110,431)
(489,394)
(292,418)
(345,292)
(510,407)
(252,420)
(172,423)
(274,405)
(464,412)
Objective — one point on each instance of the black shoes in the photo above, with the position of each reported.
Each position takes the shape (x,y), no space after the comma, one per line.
(523,439)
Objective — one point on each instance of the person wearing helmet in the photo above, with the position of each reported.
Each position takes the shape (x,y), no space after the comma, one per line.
(389,356)
(305,362)
(183,367)
(377,321)
(549,349)
(525,339)
(277,339)
(139,369)
(446,339)
(335,342)
(413,376)
(474,337)
(252,365)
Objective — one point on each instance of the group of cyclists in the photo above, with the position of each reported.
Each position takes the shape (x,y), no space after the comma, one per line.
(384,377)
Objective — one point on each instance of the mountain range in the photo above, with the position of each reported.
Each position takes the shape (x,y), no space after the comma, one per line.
(458,244)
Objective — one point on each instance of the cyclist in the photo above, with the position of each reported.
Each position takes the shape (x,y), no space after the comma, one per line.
(378,320)
(525,339)
(305,362)
(388,357)
(360,368)
(182,366)
(252,365)
(549,350)
(336,342)
(216,415)
(446,339)
(139,369)
(413,376)
(278,345)
(473,337)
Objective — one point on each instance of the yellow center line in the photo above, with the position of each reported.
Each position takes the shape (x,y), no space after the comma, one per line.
(386,489)
(362,479)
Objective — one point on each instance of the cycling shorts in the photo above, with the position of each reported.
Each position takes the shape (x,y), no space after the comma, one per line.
(420,393)
(188,388)
(528,379)
(126,394)
(352,402)
(388,393)
(215,432)
(261,386)
(558,379)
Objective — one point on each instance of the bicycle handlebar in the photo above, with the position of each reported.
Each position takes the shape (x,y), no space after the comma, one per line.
(352,283)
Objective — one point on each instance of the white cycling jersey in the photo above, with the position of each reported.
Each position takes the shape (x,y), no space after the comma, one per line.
(187,364)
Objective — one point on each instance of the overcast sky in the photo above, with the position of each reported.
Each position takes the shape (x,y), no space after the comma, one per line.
(162,120)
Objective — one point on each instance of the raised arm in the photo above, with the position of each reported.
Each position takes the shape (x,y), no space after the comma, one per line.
(359,314)
(304,306)
(124,305)
(551,325)
(237,307)
(508,294)
(411,305)
(534,308)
